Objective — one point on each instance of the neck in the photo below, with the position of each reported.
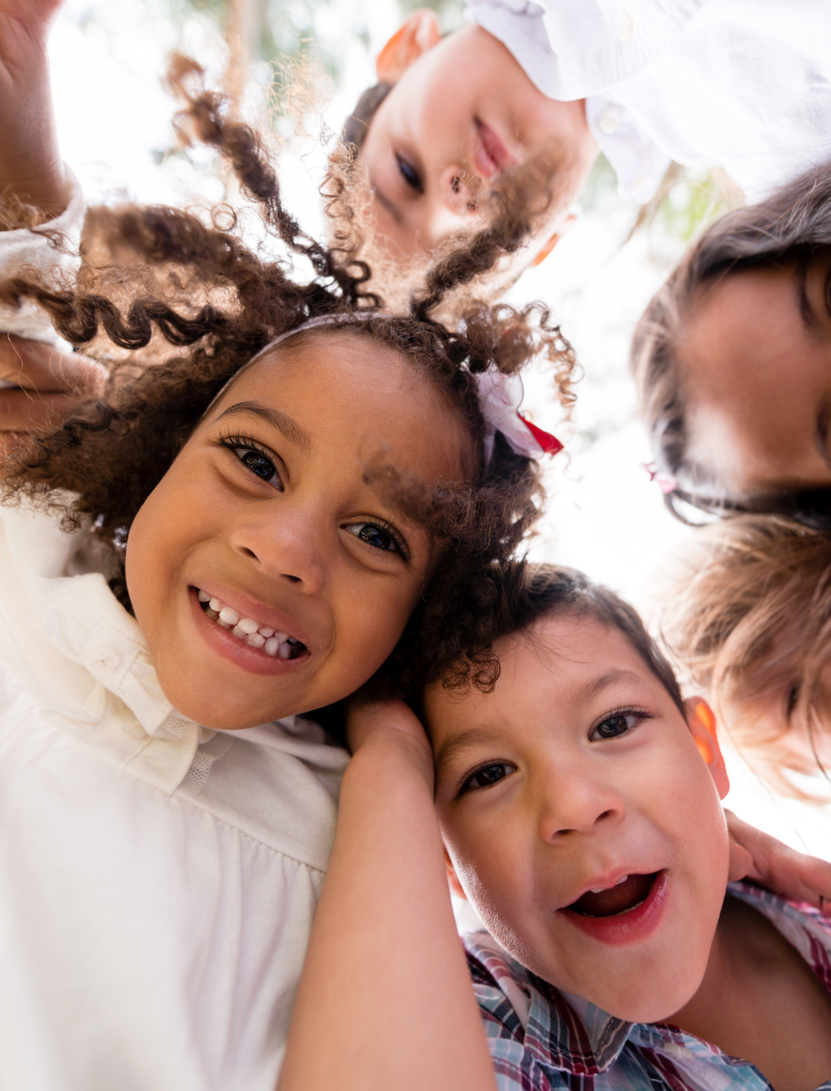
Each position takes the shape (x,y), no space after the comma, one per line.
(760,1001)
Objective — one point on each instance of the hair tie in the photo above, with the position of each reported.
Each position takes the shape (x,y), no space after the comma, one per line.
(500,397)
(667,483)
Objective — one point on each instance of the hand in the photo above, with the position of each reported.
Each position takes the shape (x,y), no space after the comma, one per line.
(389,726)
(758,856)
(49,383)
(31,171)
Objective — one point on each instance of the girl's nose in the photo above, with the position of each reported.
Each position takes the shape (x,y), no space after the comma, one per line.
(573,802)
(460,190)
(286,541)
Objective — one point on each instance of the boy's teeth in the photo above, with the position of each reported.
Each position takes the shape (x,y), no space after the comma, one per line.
(600,889)
(249,630)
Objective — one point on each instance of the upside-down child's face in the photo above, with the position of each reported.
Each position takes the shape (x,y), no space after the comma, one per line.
(580,819)
(755,358)
(461,112)
(267,575)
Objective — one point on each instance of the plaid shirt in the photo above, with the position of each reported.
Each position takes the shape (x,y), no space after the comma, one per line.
(540,1042)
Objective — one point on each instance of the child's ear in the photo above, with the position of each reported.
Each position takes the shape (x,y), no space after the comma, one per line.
(453,878)
(552,241)
(703,727)
(419,33)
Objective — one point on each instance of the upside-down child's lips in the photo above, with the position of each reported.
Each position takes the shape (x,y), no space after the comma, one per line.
(629,911)
(490,154)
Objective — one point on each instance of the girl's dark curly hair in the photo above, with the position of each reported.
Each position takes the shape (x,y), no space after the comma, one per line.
(793,225)
(189,303)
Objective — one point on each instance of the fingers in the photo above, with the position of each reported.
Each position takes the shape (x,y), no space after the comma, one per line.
(27,411)
(790,873)
(45,369)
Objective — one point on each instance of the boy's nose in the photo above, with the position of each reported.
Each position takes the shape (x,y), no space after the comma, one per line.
(577,804)
(285,543)
(461,190)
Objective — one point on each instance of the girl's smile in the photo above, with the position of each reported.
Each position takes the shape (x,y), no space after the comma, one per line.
(267,573)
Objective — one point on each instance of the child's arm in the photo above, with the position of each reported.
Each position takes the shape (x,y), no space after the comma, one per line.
(791,874)
(31,171)
(47,384)
(385,1000)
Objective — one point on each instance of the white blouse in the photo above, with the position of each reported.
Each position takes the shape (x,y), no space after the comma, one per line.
(157,879)
(743,84)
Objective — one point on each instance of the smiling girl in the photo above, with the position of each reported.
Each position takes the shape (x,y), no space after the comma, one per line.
(234,533)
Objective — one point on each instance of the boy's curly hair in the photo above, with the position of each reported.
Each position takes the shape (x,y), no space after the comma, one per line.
(185,304)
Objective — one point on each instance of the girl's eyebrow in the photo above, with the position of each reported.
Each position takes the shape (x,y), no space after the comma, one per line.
(281,421)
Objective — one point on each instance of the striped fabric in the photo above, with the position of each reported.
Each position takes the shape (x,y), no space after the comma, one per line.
(541,1041)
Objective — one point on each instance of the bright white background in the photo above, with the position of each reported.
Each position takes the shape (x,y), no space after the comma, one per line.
(604,516)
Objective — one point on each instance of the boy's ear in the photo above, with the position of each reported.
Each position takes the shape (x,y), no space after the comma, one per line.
(453,878)
(702,724)
(419,33)
(552,241)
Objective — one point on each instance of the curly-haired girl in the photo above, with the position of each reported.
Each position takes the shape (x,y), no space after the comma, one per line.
(274,477)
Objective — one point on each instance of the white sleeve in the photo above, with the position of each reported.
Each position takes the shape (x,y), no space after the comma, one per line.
(46,250)
(574,48)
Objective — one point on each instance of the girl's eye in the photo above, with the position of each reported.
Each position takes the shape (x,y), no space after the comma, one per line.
(255,459)
(409,174)
(619,723)
(486,776)
(379,536)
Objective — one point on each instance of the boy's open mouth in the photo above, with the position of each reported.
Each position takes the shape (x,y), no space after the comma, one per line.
(249,630)
(627,894)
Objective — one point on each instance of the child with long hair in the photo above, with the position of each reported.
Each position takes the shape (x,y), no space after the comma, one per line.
(274,475)
(732,359)
(744,607)
(575,802)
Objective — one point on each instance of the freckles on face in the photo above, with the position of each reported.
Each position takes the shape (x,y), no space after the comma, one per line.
(755,361)
(268,575)
(581,821)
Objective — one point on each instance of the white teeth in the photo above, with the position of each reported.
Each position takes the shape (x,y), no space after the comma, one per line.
(600,889)
(229,615)
(271,641)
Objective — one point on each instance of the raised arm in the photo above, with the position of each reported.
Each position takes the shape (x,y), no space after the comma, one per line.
(31,171)
(385,1000)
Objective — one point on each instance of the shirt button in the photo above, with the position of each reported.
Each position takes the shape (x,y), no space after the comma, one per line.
(609,120)
(625,27)
(105,660)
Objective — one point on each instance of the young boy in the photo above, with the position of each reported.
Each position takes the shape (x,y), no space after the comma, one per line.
(738,83)
(579,806)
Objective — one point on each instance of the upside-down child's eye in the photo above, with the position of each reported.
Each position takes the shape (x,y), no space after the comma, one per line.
(409,174)
(486,776)
(617,724)
(379,536)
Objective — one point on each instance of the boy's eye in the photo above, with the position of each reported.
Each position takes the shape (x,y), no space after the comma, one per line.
(617,724)
(254,458)
(409,174)
(486,775)
(379,536)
